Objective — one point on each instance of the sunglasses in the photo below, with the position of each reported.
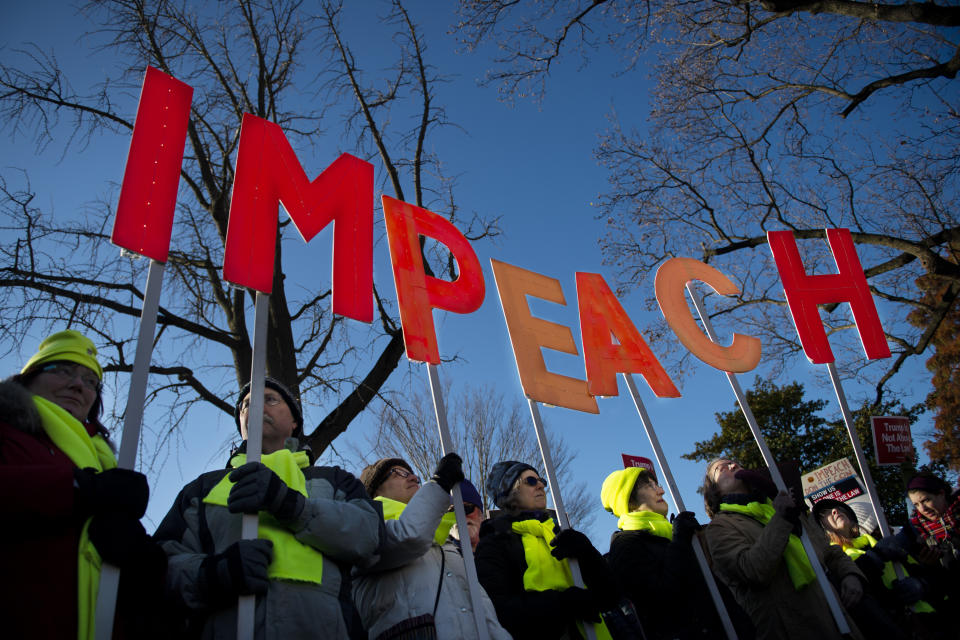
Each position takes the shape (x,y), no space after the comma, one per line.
(534,481)
(468,508)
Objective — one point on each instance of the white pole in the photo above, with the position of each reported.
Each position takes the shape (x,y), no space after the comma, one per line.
(678,504)
(130,440)
(861,459)
(550,470)
(768,458)
(246,604)
(446,444)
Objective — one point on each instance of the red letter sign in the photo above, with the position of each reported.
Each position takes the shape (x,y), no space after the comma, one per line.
(148,196)
(600,316)
(805,292)
(528,334)
(419,294)
(268,173)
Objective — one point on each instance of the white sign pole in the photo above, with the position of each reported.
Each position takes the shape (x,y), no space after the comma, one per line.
(130,440)
(771,463)
(246,604)
(678,504)
(446,444)
(861,460)
(551,473)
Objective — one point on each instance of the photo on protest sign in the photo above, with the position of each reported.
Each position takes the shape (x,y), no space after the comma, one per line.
(839,481)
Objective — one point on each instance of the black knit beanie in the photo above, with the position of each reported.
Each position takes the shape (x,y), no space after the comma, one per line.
(288,397)
(501,478)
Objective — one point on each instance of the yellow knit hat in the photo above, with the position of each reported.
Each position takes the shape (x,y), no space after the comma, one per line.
(68,345)
(615,493)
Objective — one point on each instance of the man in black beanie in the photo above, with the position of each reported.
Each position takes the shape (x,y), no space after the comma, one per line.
(314,524)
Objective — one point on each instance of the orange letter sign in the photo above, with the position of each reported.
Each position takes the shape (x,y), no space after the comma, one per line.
(672,277)
(528,334)
(600,316)
(805,292)
(268,173)
(419,294)
(148,196)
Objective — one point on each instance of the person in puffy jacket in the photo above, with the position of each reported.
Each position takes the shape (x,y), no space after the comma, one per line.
(522,564)
(420,580)
(315,524)
(67,507)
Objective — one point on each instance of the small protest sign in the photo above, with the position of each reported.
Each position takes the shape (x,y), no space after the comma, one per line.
(638,461)
(892,440)
(839,481)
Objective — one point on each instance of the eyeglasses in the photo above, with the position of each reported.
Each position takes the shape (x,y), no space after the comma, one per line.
(403,473)
(534,481)
(270,401)
(67,371)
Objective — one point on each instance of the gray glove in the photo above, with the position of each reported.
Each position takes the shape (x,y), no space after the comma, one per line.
(240,570)
(258,489)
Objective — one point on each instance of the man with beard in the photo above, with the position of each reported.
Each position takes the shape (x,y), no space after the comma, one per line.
(314,524)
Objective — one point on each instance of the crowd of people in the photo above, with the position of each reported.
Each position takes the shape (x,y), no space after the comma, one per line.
(381,557)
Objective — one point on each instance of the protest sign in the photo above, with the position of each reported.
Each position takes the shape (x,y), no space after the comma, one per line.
(892,440)
(839,481)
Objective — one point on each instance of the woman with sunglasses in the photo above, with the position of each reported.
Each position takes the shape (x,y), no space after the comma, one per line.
(66,505)
(419,583)
(521,561)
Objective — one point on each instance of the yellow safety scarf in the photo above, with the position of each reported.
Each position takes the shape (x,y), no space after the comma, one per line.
(798,565)
(544,572)
(649,521)
(393,508)
(71,437)
(857,547)
(292,560)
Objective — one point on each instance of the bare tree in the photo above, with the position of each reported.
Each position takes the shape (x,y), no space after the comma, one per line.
(276,60)
(769,115)
(485,430)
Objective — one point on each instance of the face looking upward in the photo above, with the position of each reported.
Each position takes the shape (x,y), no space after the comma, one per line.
(723,473)
(71,386)
(278,422)
(649,497)
(400,485)
(836,520)
(531,497)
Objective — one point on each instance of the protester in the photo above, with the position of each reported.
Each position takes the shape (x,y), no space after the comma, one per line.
(936,517)
(315,522)
(473,505)
(654,561)
(420,583)
(756,550)
(901,597)
(521,562)
(67,505)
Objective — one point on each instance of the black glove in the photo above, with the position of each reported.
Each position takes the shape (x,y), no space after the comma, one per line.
(685,525)
(240,570)
(580,604)
(786,506)
(570,543)
(258,488)
(114,490)
(118,538)
(449,471)
(890,550)
(757,480)
(907,590)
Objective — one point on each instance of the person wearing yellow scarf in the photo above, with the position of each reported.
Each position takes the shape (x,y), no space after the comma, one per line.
(419,581)
(749,547)
(73,507)
(653,559)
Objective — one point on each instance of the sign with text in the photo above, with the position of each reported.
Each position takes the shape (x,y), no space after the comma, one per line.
(839,481)
(892,440)
(637,461)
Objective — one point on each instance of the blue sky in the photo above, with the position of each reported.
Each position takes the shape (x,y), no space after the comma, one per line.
(530,163)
